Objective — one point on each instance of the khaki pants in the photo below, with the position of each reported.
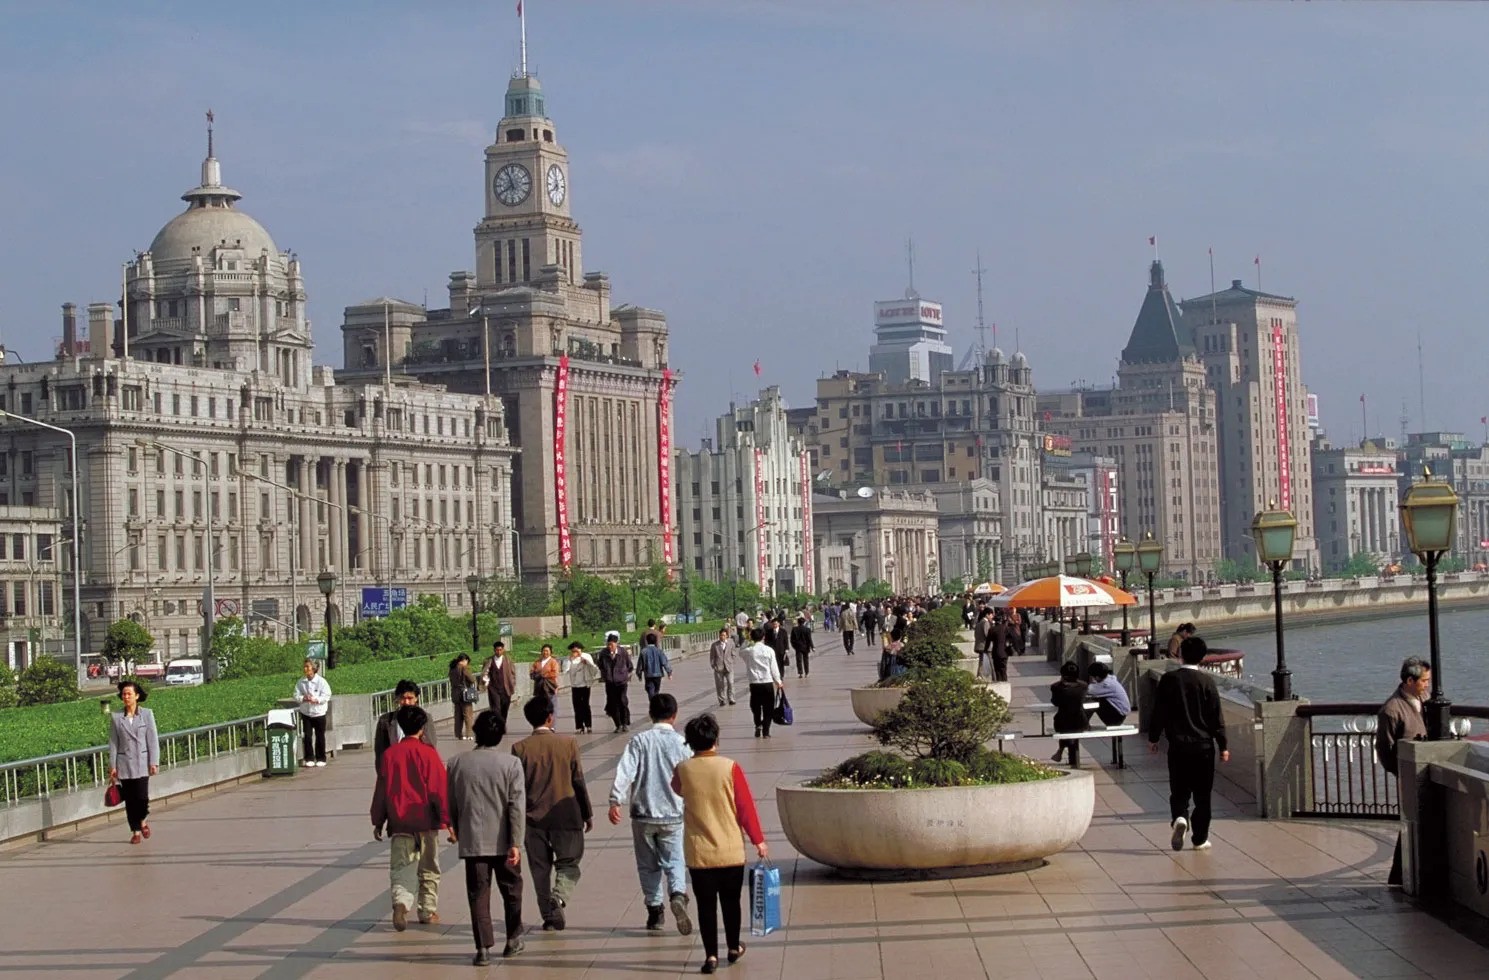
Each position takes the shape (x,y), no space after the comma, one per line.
(413,866)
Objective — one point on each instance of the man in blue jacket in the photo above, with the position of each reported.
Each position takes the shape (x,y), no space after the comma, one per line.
(644,778)
(654,666)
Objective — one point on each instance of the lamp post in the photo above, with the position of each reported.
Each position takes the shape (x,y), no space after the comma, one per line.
(1149,558)
(1273,531)
(563,585)
(1070,570)
(1083,570)
(1430,513)
(327,582)
(472,585)
(77,570)
(1124,554)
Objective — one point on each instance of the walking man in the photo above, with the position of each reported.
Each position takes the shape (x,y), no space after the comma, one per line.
(1187,711)
(488,819)
(741,627)
(765,680)
(868,618)
(654,665)
(501,680)
(721,661)
(388,733)
(777,637)
(411,801)
(1400,719)
(558,810)
(643,778)
(982,644)
(803,645)
(616,669)
(999,641)
(848,622)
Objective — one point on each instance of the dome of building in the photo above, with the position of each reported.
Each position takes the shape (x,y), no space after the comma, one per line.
(210,221)
(995,356)
(1019,360)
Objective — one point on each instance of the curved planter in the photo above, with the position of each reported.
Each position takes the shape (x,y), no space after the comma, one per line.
(871,702)
(955,830)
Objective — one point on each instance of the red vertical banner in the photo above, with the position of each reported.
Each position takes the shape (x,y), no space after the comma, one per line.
(760,535)
(1284,444)
(664,465)
(560,461)
(808,569)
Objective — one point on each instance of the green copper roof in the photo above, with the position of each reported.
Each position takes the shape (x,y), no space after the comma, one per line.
(1157,336)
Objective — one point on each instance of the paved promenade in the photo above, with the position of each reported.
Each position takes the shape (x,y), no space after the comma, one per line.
(282,880)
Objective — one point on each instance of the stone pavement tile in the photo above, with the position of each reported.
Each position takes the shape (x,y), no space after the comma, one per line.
(825,958)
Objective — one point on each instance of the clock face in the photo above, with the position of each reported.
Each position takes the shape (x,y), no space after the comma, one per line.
(556,184)
(512,184)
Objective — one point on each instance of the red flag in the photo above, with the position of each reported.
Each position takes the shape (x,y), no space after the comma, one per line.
(1484,419)
(1257,261)
(1152,239)
(519,8)
(1362,399)
(757,367)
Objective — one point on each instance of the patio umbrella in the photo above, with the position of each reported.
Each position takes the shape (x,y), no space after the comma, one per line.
(1063,592)
(989,588)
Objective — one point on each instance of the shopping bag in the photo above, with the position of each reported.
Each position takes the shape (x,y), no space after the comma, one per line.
(765,898)
(113,796)
(783,715)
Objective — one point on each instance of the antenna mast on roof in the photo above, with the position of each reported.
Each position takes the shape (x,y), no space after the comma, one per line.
(910,293)
(522,25)
(981,324)
(1421,385)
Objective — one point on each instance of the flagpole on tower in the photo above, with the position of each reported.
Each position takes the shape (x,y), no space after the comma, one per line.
(1153,240)
(522,24)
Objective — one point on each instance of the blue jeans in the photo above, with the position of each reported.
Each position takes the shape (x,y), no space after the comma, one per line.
(659,861)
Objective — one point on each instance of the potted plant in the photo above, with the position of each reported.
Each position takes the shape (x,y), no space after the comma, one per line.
(940,802)
(930,644)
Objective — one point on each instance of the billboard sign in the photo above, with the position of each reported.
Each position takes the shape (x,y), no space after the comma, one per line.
(378,602)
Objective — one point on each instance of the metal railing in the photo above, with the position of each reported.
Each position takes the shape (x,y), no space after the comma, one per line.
(1348,779)
(430,692)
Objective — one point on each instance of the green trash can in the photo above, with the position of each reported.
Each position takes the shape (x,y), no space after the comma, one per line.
(279,743)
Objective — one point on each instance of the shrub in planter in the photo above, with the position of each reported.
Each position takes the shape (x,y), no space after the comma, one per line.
(871,769)
(945,714)
(939,772)
(929,653)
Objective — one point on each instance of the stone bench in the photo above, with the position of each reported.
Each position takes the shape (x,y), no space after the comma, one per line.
(1116,733)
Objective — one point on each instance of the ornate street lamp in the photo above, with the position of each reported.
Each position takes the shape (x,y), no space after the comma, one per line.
(563,585)
(1124,554)
(326,581)
(1274,531)
(1083,570)
(473,585)
(1430,513)
(1149,559)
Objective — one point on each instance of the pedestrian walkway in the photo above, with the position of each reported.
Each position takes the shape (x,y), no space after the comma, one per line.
(282,880)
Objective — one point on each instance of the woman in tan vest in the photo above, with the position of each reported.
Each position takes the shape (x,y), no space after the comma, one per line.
(717,805)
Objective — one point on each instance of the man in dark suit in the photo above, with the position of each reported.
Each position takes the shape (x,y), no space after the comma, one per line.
(802,642)
(778,639)
(488,818)
(1400,719)
(388,732)
(500,677)
(558,810)
(1187,711)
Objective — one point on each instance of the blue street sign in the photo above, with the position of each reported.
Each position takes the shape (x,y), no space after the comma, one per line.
(378,602)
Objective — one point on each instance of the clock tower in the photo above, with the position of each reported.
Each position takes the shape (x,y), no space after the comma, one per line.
(527,224)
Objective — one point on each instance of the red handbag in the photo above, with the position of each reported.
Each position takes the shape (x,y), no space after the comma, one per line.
(113,796)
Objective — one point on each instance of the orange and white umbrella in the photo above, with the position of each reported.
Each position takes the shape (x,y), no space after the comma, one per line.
(1063,592)
(989,588)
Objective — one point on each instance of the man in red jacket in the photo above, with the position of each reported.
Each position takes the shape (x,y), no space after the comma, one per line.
(412,801)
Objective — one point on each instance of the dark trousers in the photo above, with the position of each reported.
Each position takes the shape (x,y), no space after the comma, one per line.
(653,687)
(718,888)
(465,717)
(848,643)
(783,660)
(315,737)
(618,703)
(478,875)
(583,716)
(762,705)
(1191,773)
(136,801)
(1000,663)
(553,857)
(498,702)
(803,663)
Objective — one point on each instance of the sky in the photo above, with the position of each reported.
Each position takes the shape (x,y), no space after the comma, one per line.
(755,169)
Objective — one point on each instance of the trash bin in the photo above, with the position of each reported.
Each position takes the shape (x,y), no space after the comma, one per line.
(279,743)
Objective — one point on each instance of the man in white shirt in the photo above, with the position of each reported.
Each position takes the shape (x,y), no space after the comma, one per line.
(765,680)
(741,627)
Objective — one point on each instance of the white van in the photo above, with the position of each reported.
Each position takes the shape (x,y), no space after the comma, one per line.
(185,672)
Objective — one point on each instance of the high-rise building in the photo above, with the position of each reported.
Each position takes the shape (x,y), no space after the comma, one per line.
(1158,425)
(743,501)
(1100,476)
(1464,463)
(909,340)
(1248,342)
(1355,503)
(585,387)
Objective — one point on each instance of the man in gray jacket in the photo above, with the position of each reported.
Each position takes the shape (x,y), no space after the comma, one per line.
(488,818)
(721,660)
(1400,719)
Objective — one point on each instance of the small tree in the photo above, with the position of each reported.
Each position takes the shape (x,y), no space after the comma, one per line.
(47,681)
(228,640)
(1360,563)
(7,686)
(944,714)
(125,643)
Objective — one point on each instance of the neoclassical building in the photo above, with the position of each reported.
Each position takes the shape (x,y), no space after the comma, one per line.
(215,459)
(585,386)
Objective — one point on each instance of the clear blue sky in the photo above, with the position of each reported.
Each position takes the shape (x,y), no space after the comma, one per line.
(754,168)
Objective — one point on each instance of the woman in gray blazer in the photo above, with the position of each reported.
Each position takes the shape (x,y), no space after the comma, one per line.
(134,756)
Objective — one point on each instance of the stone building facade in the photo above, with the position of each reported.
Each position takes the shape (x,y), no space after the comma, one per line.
(1464,463)
(970,530)
(890,536)
(1355,501)
(33,616)
(743,501)
(215,461)
(584,386)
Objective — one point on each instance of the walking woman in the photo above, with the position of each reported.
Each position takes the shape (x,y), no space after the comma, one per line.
(581,673)
(134,756)
(314,697)
(717,805)
(463,696)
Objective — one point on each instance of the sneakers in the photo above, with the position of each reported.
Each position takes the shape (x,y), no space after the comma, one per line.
(513,947)
(400,918)
(1203,845)
(655,918)
(555,921)
(680,914)
(1181,827)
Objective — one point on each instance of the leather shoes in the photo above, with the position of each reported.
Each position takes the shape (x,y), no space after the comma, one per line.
(513,947)
(482,958)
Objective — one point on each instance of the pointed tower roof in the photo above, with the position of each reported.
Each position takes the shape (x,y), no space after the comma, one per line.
(1157,337)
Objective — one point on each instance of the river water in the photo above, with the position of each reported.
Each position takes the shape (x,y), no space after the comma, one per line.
(1361,660)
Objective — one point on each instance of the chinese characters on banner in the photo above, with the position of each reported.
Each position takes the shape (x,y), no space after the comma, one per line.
(560,467)
(806,527)
(664,465)
(760,536)
(1284,444)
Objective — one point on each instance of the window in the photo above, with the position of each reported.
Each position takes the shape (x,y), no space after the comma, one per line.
(18,547)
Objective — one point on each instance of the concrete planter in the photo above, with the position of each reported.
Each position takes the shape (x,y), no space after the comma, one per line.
(871,702)
(956,830)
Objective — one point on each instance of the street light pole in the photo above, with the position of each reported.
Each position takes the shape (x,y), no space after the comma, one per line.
(1429,512)
(327,582)
(472,583)
(1273,532)
(1123,556)
(1149,560)
(77,569)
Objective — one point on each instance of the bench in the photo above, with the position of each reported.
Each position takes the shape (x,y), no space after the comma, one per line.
(1114,732)
(1045,708)
(1003,738)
